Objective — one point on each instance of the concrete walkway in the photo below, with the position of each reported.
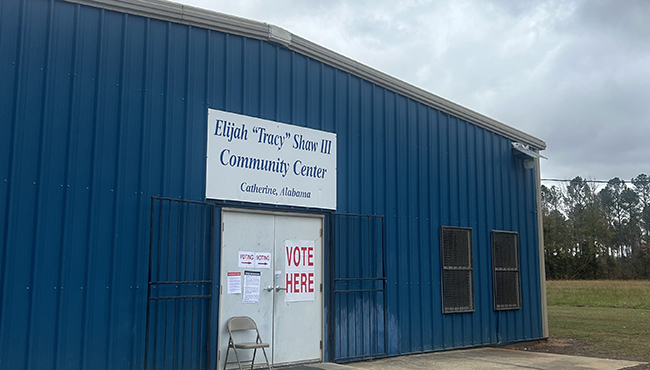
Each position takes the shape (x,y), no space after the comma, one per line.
(482,358)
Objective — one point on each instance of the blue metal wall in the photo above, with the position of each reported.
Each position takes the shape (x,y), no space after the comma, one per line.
(99,111)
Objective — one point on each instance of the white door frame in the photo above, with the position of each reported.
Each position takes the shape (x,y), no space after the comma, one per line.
(220,338)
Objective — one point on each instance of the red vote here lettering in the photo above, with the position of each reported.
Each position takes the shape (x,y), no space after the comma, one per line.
(300,282)
(300,256)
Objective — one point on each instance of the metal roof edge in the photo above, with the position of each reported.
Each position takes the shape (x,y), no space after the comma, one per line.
(189,15)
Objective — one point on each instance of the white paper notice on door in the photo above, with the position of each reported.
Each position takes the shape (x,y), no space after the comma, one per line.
(246,259)
(299,270)
(234,282)
(251,287)
(262,260)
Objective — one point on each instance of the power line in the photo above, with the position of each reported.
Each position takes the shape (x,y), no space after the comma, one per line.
(594,181)
(585,180)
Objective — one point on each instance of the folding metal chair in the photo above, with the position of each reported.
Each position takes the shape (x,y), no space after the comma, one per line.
(241,323)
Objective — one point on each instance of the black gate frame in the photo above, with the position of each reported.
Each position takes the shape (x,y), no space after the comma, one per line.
(341,285)
(202,289)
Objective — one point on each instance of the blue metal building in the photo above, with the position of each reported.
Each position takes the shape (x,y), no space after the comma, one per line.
(104,104)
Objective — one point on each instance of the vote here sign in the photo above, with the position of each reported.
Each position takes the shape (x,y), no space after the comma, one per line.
(299,270)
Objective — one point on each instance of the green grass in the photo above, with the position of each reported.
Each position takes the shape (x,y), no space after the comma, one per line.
(599,293)
(611,317)
(611,332)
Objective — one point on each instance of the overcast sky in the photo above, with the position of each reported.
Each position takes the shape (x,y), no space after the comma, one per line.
(573,73)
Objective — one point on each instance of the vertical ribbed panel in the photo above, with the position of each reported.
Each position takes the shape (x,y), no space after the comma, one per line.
(100,111)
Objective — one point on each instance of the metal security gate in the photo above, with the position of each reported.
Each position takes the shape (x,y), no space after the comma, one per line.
(357,316)
(179,301)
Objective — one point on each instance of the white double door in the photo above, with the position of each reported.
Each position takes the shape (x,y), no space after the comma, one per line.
(289,307)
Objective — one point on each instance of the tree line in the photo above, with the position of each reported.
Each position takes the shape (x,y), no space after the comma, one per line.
(597,234)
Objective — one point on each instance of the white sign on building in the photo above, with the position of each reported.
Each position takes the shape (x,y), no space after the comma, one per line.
(255,160)
(299,270)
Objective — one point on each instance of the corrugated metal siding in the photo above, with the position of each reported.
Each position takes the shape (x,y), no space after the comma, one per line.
(101,110)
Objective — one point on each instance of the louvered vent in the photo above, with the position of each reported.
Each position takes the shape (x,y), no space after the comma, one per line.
(505,269)
(457,272)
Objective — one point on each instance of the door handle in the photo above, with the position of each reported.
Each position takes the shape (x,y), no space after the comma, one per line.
(278,288)
(269,288)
